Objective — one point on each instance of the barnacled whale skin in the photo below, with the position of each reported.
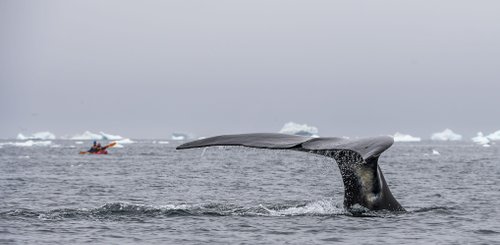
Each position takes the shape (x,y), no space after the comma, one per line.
(364,183)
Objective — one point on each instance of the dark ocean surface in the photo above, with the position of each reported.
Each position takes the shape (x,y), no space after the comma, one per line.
(147,192)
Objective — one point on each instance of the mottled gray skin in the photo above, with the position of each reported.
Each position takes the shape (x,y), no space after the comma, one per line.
(364,183)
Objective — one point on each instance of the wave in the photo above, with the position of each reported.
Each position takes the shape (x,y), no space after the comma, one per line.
(37,136)
(399,137)
(446,135)
(123,210)
(299,129)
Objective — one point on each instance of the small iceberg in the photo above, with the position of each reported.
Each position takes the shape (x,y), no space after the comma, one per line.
(181,136)
(480,139)
(399,137)
(106,136)
(87,135)
(28,143)
(37,136)
(163,142)
(299,129)
(435,152)
(446,135)
(494,136)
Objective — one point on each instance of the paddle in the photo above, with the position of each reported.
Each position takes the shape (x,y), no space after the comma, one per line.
(102,149)
(109,145)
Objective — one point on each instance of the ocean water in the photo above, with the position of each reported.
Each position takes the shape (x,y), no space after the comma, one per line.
(150,193)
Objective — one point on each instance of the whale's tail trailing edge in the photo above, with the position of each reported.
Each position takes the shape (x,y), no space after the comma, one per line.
(364,183)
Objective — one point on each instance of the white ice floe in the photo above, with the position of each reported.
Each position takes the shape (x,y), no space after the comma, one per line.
(446,135)
(163,142)
(37,136)
(481,139)
(106,136)
(299,129)
(78,142)
(435,152)
(494,136)
(181,136)
(87,135)
(399,137)
(28,143)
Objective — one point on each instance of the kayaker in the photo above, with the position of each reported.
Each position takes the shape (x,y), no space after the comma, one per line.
(95,147)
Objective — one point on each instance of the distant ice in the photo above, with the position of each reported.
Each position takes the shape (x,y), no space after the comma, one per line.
(181,136)
(446,135)
(79,142)
(163,142)
(494,136)
(399,137)
(87,135)
(37,136)
(110,136)
(435,152)
(481,139)
(28,143)
(299,129)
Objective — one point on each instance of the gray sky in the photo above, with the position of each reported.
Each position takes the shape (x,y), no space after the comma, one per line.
(149,68)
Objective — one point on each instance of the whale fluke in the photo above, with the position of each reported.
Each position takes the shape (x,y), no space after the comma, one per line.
(364,183)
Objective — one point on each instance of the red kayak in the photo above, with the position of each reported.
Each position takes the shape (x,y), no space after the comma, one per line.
(97,153)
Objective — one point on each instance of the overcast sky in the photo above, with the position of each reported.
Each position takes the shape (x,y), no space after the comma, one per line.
(145,69)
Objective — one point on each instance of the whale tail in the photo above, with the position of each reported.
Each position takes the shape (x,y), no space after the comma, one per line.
(364,183)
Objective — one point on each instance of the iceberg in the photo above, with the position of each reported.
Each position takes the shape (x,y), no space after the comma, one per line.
(37,136)
(494,136)
(399,137)
(481,139)
(181,136)
(299,129)
(28,143)
(163,142)
(446,135)
(110,136)
(87,135)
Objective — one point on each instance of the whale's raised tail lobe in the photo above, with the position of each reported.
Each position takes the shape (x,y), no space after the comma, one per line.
(364,183)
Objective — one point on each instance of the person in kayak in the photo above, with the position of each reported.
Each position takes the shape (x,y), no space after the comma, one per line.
(95,147)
